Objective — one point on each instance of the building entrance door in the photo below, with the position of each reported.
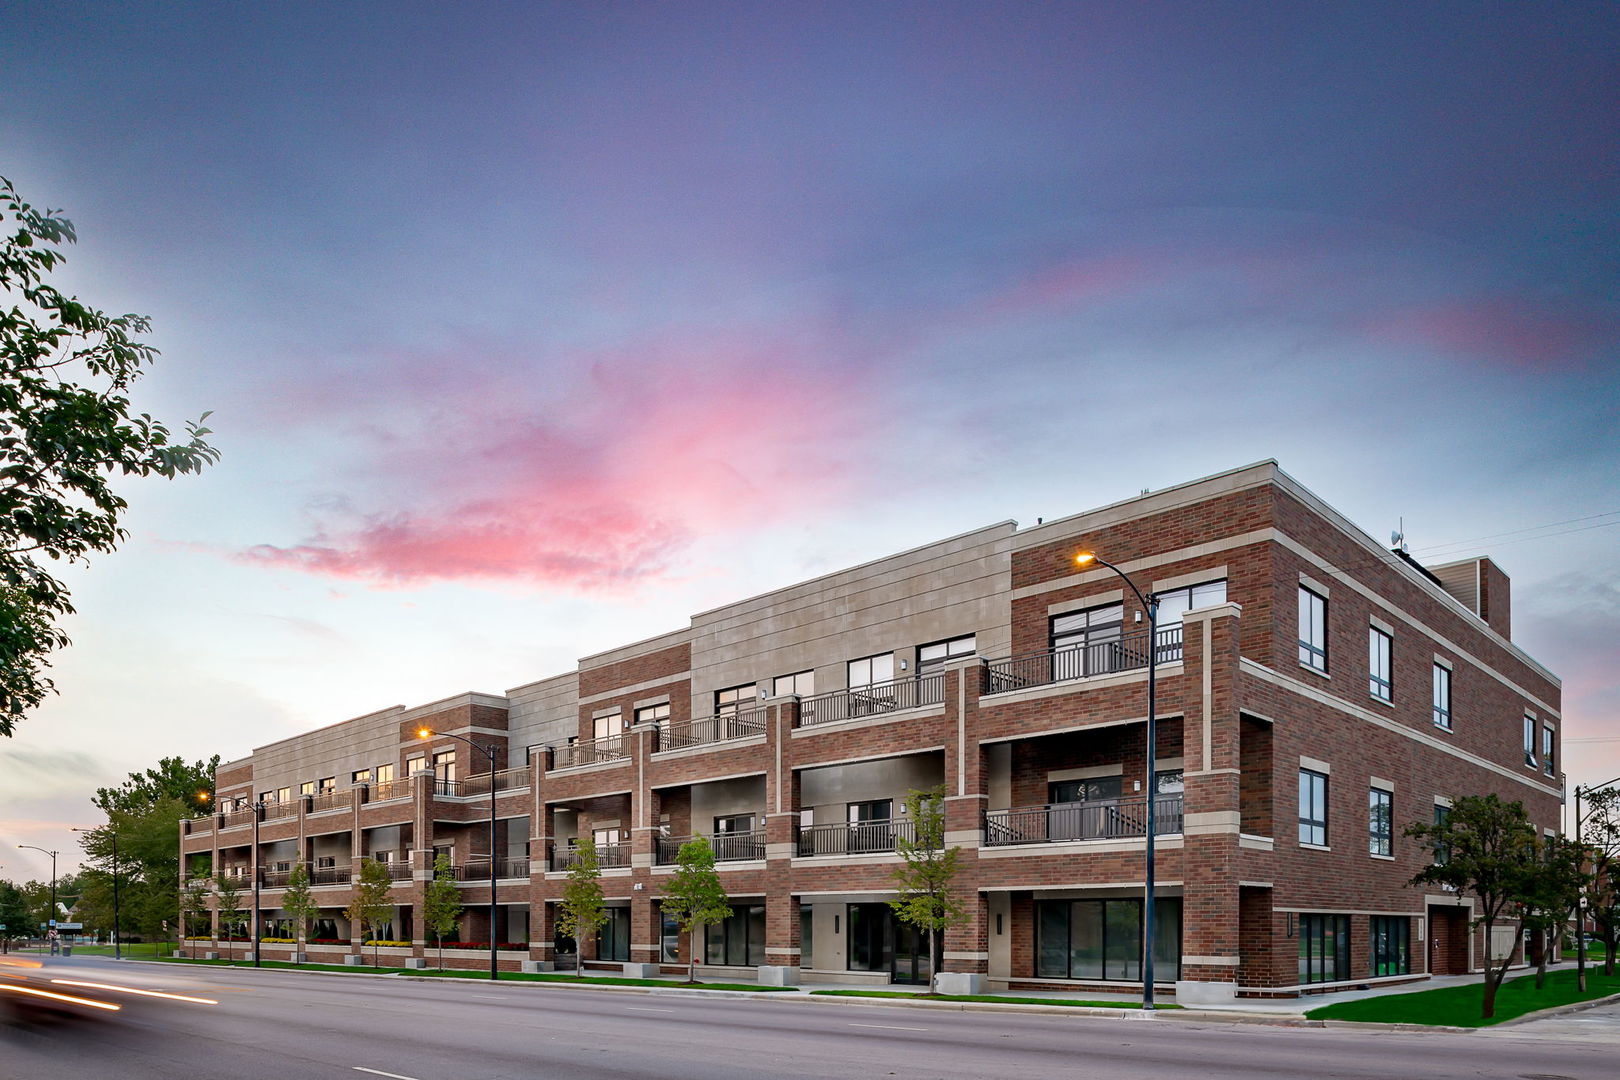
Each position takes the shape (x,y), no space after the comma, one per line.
(880,942)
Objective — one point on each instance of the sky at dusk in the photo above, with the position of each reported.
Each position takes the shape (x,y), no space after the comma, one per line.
(530,330)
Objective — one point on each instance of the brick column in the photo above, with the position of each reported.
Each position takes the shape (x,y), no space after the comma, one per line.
(781,967)
(966,957)
(644,924)
(1211,907)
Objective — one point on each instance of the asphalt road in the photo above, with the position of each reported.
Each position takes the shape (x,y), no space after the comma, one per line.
(276,1025)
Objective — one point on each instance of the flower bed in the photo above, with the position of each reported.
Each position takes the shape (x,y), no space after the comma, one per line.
(499,945)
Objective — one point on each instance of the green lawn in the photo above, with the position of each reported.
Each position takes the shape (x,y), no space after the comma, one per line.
(993,998)
(1458,1006)
(506,976)
(135,950)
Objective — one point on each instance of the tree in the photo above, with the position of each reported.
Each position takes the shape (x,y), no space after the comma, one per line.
(14,915)
(231,912)
(299,903)
(172,779)
(1490,851)
(693,896)
(147,841)
(373,903)
(582,910)
(925,877)
(441,903)
(193,903)
(66,428)
(1552,895)
(1600,834)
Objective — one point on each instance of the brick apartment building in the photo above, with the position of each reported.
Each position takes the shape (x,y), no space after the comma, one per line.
(1316,693)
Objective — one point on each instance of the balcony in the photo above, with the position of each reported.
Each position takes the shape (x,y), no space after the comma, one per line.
(712,729)
(608,856)
(728,847)
(237,818)
(330,875)
(1110,819)
(1127,653)
(390,789)
(852,838)
(329,800)
(276,877)
(274,811)
(874,700)
(475,872)
(505,780)
(591,752)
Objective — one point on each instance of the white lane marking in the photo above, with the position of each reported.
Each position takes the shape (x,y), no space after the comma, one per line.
(636,1008)
(379,1072)
(889,1027)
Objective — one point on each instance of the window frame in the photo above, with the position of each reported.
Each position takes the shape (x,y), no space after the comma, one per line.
(954,648)
(1174,618)
(793,684)
(1530,761)
(1381,827)
(651,714)
(360,776)
(1389,945)
(724,706)
(1549,737)
(1440,701)
(1314,929)
(1310,650)
(849,671)
(1317,826)
(1381,665)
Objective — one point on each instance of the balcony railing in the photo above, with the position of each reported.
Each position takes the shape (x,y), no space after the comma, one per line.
(451,788)
(1125,653)
(330,875)
(389,789)
(608,856)
(328,800)
(505,780)
(712,729)
(591,752)
(852,838)
(479,871)
(728,847)
(398,870)
(274,811)
(237,817)
(874,700)
(1103,820)
(276,877)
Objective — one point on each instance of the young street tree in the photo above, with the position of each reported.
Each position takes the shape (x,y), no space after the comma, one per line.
(373,904)
(693,896)
(582,910)
(66,428)
(229,898)
(298,901)
(193,905)
(925,877)
(1489,851)
(1551,895)
(441,903)
(1600,833)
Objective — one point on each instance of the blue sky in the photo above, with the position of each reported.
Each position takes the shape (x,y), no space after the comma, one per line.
(531,329)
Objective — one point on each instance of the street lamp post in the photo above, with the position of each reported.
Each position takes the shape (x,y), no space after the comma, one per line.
(489,752)
(1580,911)
(1151,603)
(50,918)
(113,834)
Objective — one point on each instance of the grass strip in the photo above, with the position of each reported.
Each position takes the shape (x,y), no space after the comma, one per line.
(994,999)
(506,976)
(1459,1006)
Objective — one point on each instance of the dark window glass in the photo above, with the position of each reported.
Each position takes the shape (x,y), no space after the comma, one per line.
(1442,854)
(1313,788)
(1324,948)
(670,938)
(1380,678)
(1174,603)
(1547,738)
(1096,789)
(652,714)
(807,927)
(1087,642)
(1102,939)
(1312,630)
(1380,822)
(735,698)
(1442,697)
(1530,742)
(1389,945)
(934,656)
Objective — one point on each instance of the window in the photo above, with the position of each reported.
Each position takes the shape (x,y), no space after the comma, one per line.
(1380,822)
(283,794)
(670,939)
(360,776)
(605,727)
(1442,853)
(1086,642)
(444,764)
(1102,939)
(807,935)
(415,763)
(384,774)
(871,827)
(1547,738)
(325,784)
(739,941)
(1324,948)
(1379,646)
(652,714)
(1313,807)
(1442,697)
(1174,602)
(735,698)
(613,939)
(1312,630)
(264,796)
(1530,741)
(933,657)
(802,683)
(1389,942)
(307,788)
(734,823)
(1096,789)
(871,670)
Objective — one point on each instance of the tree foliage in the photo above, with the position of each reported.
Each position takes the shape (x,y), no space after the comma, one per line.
(582,909)
(927,873)
(693,896)
(66,428)
(298,901)
(228,897)
(441,903)
(1490,852)
(193,904)
(173,778)
(373,903)
(1551,894)
(1600,834)
(14,914)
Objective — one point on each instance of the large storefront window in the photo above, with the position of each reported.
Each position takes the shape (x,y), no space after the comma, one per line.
(740,940)
(1389,941)
(613,940)
(1102,939)
(670,952)
(1324,948)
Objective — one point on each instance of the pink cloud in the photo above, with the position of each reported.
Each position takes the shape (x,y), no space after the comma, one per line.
(1503,329)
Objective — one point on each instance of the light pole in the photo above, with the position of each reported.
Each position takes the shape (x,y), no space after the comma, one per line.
(489,752)
(112,833)
(1580,910)
(1151,603)
(50,918)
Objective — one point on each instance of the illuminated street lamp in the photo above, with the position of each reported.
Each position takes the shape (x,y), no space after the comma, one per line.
(1151,603)
(489,752)
(51,918)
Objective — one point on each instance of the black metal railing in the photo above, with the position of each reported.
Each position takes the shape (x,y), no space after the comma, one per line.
(479,869)
(275,877)
(852,838)
(592,752)
(330,875)
(712,729)
(447,787)
(398,870)
(728,847)
(874,700)
(389,789)
(1102,820)
(328,800)
(1125,653)
(504,780)
(608,856)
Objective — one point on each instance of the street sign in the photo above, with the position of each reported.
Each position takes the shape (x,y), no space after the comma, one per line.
(53,922)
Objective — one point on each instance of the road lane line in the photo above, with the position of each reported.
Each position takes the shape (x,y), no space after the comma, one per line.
(889,1027)
(637,1008)
(379,1072)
